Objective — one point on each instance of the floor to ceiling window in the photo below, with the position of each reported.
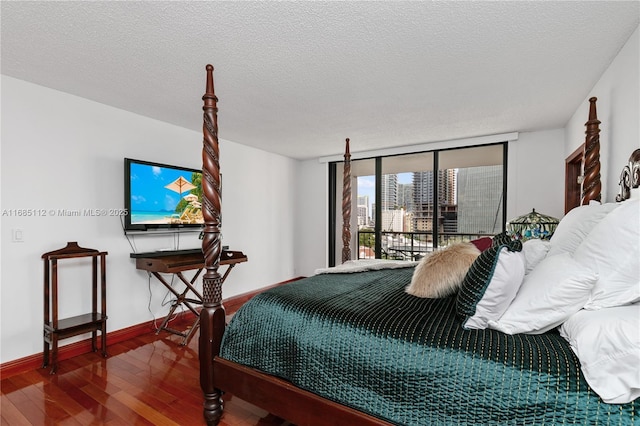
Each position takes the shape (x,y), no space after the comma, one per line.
(405,206)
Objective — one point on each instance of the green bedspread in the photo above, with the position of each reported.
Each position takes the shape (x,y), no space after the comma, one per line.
(360,340)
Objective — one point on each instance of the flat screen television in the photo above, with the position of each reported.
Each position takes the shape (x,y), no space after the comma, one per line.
(161,197)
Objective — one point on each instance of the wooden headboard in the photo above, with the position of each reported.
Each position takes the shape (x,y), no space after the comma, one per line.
(630,176)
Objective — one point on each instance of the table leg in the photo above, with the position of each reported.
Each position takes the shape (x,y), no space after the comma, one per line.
(182,299)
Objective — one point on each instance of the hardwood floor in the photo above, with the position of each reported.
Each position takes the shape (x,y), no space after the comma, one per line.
(148,380)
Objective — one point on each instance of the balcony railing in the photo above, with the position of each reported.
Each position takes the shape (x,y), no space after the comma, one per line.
(408,245)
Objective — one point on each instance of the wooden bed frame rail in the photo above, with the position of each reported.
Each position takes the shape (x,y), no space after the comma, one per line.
(284,400)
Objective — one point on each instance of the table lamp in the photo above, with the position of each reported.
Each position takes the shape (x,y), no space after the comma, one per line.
(532,225)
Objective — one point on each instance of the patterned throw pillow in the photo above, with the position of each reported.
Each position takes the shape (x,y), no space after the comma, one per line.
(491,284)
(501,239)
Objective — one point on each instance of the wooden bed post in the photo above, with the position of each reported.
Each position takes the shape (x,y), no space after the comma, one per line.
(212,315)
(591,185)
(346,205)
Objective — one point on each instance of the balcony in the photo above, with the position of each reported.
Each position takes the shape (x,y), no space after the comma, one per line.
(408,245)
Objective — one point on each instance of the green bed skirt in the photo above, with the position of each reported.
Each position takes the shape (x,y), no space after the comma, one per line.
(360,340)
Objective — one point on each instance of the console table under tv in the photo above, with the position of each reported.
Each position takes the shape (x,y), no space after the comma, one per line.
(176,262)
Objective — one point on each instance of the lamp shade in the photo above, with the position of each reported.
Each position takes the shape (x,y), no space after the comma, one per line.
(532,225)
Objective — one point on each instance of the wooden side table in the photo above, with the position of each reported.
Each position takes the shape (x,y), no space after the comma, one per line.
(94,321)
(176,263)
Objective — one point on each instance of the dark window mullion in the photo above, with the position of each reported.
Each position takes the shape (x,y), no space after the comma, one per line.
(505,156)
(436,199)
(378,221)
(332,213)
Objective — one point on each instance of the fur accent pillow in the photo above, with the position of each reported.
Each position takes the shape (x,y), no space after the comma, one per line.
(441,273)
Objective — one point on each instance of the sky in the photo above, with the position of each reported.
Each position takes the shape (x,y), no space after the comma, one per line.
(148,192)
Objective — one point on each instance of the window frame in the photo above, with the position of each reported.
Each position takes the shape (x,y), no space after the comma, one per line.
(333,194)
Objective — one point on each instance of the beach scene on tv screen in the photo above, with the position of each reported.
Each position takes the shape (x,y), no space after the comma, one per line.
(163,195)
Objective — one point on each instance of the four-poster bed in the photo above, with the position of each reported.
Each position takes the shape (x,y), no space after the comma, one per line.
(363,352)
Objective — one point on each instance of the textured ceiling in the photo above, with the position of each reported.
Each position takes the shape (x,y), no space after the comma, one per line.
(296,78)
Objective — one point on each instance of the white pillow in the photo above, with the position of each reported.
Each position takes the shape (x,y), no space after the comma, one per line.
(607,343)
(556,289)
(534,251)
(612,250)
(576,225)
(502,288)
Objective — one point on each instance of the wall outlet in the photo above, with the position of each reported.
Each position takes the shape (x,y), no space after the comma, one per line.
(17,235)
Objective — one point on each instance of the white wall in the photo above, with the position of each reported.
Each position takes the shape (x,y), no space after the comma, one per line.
(312,218)
(618,106)
(64,152)
(536,174)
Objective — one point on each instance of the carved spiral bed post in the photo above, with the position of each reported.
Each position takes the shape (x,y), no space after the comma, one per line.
(346,205)
(212,315)
(591,185)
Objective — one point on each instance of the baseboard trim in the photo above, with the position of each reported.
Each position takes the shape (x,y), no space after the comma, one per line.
(33,362)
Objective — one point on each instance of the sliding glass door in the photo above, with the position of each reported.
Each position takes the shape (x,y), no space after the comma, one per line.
(405,206)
